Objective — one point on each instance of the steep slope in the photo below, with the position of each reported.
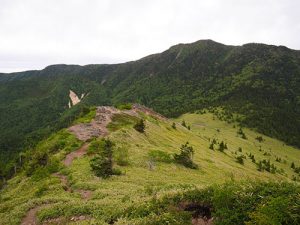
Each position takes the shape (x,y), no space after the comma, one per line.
(259,81)
(152,189)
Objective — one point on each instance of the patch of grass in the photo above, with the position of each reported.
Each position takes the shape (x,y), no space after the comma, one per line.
(86,116)
(125,106)
(160,156)
(122,121)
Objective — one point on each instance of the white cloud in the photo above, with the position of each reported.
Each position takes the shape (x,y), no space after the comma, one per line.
(36,33)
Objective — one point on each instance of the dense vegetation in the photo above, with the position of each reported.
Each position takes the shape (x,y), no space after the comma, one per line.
(161,179)
(260,82)
(231,203)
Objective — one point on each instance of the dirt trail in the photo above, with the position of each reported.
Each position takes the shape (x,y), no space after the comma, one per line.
(85,194)
(76,154)
(31,218)
(98,126)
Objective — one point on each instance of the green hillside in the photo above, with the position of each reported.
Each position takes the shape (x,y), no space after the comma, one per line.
(151,186)
(260,82)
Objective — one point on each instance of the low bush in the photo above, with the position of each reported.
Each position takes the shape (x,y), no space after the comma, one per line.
(240,159)
(102,163)
(241,133)
(185,156)
(140,126)
(174,126)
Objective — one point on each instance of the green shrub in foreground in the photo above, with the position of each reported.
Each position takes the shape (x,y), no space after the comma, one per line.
(230,203)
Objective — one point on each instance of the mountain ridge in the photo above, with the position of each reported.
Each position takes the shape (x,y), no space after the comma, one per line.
(260,82)
(154,54)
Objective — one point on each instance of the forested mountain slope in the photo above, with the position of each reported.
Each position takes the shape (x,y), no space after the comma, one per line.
(260,82)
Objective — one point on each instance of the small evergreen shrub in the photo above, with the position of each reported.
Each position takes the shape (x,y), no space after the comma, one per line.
(185,156)
(259,139)
(174,126)
(240,159)
(252,158)
(102,163)
(140,126)
(222,146)
(241,133)
(293,165)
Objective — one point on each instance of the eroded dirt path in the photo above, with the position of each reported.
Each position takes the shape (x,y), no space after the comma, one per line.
(98,126)
(31,218)
(75,154)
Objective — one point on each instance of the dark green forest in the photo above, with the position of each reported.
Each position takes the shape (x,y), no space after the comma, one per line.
(260,82)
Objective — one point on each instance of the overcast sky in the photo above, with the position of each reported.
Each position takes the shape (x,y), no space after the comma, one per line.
(37,33)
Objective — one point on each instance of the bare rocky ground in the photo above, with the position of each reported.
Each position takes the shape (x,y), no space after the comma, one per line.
(98,126)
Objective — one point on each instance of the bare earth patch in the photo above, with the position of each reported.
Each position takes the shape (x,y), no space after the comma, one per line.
(104,114)
(75,154)
(30,218)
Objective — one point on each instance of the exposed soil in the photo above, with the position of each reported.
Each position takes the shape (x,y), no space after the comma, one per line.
(98,126)
(75,154)
(85,194)
(74,98)
(30,218)
(201,213)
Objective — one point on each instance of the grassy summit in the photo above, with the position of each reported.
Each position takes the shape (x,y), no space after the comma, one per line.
(152,187)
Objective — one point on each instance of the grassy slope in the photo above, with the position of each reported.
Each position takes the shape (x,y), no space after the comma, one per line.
(138,184)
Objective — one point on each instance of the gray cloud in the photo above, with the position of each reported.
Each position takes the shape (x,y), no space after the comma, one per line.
(36,33)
